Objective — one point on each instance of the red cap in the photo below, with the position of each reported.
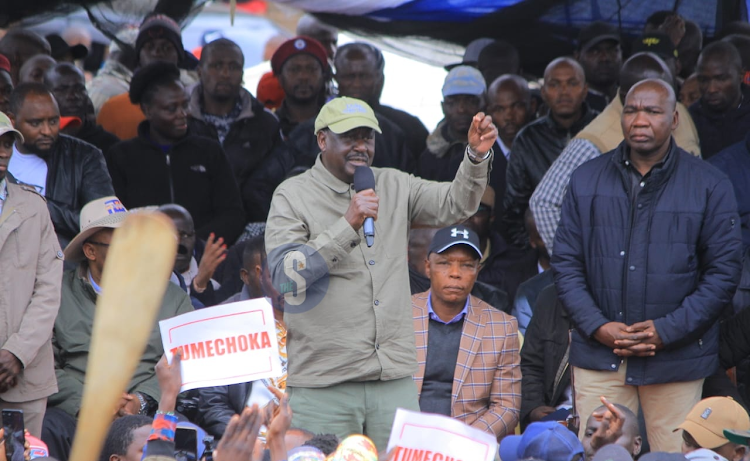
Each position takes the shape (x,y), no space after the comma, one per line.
(269,91)
(4,63)
(295,46)
(70,122)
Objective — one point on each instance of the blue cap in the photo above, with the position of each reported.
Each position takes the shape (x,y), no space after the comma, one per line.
(464,80)
(550,441)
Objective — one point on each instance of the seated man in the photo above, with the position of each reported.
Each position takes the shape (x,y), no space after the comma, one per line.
(218,404)
(126,438)
(704,428)
(447,319)
(71,336)
(612,423)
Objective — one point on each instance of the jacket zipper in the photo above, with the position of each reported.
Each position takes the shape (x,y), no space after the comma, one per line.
(169,175)
(626,269)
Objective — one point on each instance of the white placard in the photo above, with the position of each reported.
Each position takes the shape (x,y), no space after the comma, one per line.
(438,438)
(226,344)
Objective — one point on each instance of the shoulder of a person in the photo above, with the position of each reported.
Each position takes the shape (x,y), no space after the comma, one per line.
(731,156)
(599,163)
(76,145)
(22,188)
(709,171)
(419,300)
(174,298)
(492,314)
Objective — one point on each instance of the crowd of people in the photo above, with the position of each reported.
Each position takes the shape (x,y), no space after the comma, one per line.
(574,245)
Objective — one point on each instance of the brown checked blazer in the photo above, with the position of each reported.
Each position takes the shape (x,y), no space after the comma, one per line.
(487,381)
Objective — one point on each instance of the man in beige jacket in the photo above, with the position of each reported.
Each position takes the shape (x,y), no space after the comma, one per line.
(31,262)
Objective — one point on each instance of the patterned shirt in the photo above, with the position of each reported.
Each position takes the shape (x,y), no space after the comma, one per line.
(222,123)
(457,318)
(280,382)
(546,202)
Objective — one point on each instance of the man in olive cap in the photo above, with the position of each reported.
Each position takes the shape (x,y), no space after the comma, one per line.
(351,343)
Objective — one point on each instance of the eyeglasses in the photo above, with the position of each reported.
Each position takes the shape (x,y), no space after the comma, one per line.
(105,245)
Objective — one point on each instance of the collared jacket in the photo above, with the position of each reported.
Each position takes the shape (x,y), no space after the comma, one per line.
(487,381)
(719,131)
(31,262)
(72,340)
(76,175)
(671,254)
(346,308)
(193,172)
(112,79)
(252,147)
(536,146)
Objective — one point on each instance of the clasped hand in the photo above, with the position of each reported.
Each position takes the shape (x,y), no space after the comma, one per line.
(639,339)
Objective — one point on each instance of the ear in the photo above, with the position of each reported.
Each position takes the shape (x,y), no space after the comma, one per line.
(427,267)
(114,458)
(637,445)
(740,450)
(89,252)
(533,107)
(244,276)
(675,120)
(442,106)
(258,271)
(144,109)
(322,138)
(585,90)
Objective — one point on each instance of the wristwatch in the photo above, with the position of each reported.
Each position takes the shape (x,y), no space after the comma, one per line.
(142,409)
(475,157)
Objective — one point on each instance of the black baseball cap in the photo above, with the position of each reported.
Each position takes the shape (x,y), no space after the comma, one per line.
(455,235)
(657,43)
(595,33)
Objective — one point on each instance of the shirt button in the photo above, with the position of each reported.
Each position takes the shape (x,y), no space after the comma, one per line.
(643,183)
(620,313)
(622,253)
(627,162)
(372,262)
(377,346)
(613,366)
(335,259)
(640,205)
(353,244)
(377,302)
(632,268)
(630,380)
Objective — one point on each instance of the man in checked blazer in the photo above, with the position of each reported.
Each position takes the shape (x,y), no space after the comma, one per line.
(468,352)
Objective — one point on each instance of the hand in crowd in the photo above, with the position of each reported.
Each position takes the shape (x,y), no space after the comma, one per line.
(610,332)
(170,381)
(364,204)
(129,405)
(10,367)
(540,412)
(214,254)
(240,435)
(278,424)
(611,421)
(674,27)
(482,133)
(645,342)
(26,446)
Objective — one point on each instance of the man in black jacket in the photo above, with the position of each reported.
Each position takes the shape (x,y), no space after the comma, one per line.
(647,255)
(545,384)
(722,114)
(359,73)
(540,142)
(68,85)
(67,171)
(222,110)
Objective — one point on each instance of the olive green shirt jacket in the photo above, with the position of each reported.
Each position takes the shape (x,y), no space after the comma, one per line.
(348,307)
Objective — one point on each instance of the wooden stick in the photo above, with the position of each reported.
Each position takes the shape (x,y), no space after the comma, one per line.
(135,278)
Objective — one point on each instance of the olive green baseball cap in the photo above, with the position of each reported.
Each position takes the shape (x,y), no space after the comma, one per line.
(343,114)
(7,127)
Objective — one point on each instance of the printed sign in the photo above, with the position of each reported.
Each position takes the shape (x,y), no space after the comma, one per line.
(432,437)
(222,345)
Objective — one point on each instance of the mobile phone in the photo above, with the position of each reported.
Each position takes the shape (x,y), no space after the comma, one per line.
(14,438)
(186,444)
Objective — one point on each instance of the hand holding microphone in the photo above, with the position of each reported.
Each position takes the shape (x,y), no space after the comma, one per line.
(363,209)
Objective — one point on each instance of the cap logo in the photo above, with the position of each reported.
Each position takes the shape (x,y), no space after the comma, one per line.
(114,206)
(354,109)
(651,41)
(706,413)
(455,232)
(300,44)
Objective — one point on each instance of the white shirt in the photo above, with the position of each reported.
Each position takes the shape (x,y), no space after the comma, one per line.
(505,149)
(29,169)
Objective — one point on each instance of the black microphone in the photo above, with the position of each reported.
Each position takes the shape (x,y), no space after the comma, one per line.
(363,180)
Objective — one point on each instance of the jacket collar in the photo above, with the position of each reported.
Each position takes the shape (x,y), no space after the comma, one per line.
(321,174)
(439,141)
(659,175)
(144,134)
(196,104)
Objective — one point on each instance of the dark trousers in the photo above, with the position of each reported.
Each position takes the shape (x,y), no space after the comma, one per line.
(58,430)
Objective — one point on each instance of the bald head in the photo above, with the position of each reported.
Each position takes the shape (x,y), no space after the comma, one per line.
(642,66)
(327,35)
(564,90)
(658,85)
(34,68)
(18,45)
(649,117)
(510,82)
(174,210)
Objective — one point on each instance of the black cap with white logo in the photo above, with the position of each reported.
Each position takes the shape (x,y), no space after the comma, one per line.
(455,235)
